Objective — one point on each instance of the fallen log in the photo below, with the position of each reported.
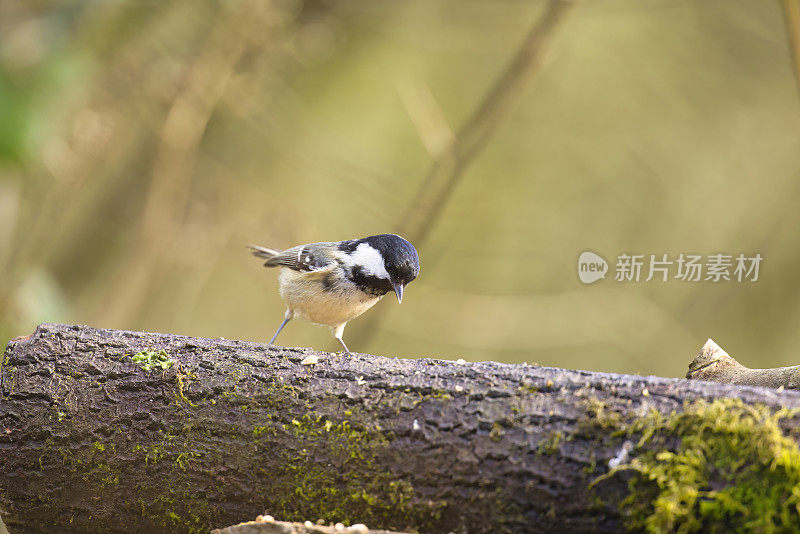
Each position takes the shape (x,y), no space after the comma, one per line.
(114,431)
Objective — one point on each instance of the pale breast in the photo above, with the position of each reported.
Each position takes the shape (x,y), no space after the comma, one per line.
(307,297)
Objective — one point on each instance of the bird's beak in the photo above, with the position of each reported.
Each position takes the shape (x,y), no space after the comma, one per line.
(398,289)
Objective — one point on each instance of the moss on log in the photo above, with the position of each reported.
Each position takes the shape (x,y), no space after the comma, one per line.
(114,431)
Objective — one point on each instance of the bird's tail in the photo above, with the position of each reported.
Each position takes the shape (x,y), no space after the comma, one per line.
(263,252)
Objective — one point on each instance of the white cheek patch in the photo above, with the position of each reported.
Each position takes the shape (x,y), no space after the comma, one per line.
(370,260)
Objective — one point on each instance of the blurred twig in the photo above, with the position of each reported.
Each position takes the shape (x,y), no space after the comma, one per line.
(447,171)
(791,10)
(495,108)
(171,180)
(427,116)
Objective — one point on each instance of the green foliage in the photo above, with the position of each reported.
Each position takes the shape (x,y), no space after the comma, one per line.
(149,360)
(719,466)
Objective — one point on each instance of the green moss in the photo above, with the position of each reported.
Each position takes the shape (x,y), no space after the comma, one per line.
(184,458)
(106,475)
(601,416)
(328,459)
(549,445)
(346,485)
(12,378)
(259,430)
(182,378)
(496,433)
(427,395)
(153,454)
(438,394)
(718,466)
(148,359)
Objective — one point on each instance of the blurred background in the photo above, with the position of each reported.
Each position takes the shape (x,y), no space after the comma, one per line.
(143,144)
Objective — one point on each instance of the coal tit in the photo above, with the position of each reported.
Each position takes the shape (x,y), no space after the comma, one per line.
(331,283)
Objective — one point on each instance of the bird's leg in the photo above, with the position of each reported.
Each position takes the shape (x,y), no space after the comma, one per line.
(285,320)
(337,331)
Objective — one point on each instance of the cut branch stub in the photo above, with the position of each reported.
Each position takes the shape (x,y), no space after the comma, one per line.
(715,365)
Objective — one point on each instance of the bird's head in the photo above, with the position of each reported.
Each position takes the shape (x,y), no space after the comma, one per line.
(382,263)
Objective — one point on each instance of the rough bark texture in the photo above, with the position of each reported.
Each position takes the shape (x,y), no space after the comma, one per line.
(715,365)
(91,442)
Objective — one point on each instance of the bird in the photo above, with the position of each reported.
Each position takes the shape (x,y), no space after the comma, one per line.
(332,282)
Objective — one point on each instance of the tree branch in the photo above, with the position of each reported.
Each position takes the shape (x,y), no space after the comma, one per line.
(716,365)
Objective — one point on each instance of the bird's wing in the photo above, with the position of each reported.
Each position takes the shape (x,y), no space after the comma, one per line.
(311,259)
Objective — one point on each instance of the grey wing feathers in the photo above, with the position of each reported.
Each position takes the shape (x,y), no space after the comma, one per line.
(307,258)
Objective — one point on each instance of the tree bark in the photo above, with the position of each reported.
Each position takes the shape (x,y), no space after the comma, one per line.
(92,442)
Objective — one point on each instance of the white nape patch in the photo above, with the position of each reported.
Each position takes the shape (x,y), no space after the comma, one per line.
(370,260)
